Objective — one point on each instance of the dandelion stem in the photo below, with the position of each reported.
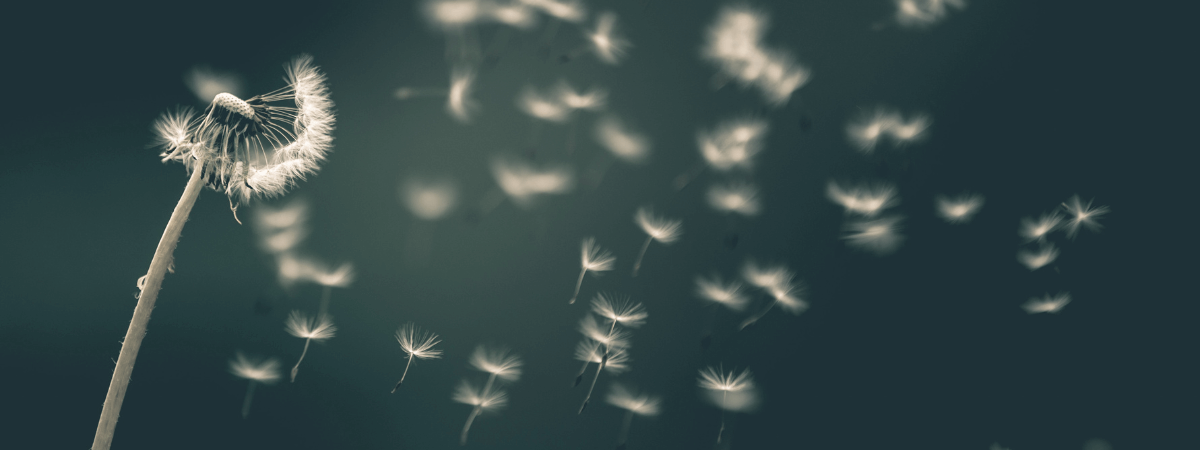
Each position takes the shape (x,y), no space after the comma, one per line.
(600,368)
(582,370)
(578,284)
(467,427)
(638,264)
(724,394)
(410,357)
(325,297)
(305,352)
(754,318)
(621,438)
(163,255)
(246,402)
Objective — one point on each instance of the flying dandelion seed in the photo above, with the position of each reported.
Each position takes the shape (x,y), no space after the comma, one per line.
(1036,260)
(542,106)
(498,362)
(590,352)
(1037,229)
(244,148)
(594,259)
(515,14)
(488,400)
(206,83)
(729,392)
(619,311)
(867,200)
(923,13)
(778,282)
(632,403)
(329,278)
(280,230)
(733,144)
(609,336)
(868,128)
(657,228)
(265,371)
(523,183)
(734,45)
(728,295)
(879,236)
(310,329)
(737,197)
(459,103)
(418,344)
(608,46)
(960,209)
(429,198)
(1047,303)
(453,17)
(1079,214)
(564,10)
(591,99)
(623,143)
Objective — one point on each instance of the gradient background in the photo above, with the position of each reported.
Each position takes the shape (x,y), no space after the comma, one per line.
(925,348)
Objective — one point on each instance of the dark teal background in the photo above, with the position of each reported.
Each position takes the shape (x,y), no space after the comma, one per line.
(1032,101)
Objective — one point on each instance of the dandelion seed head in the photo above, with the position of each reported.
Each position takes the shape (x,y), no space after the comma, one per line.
(867,199)
(662,229)
(1037,229)
(627,399)
(1036,260)
(1047,303)
(728,294)
(497,361)
(429,199)
(608,46)
(261,370)
(459,103)
(1083,215)
(959,209)
(619,309)
(593,352)
(317,328)
(417,342)
(879,236)
(623,143)
(740,198)
(493,400)
(594,258)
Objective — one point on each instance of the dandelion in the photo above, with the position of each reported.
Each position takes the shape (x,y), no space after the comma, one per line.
(459,103)
(923,13)
(623,143)
(329,278)
(866,199)
(1036,260)
(865,131)
(594,259)
(523,183)
(206,83)
(657,228)
(244,148)
(592,99)
(542,106)
(728,295)
(632,403)
(1047,303)
(429,199)
(418,344)
(610,338)
(879,236)
(728,391)
(310,329)
(608,46)
(1037,229)
(733,144)
(1080,214)
(911,131)
(778,282)
(740,198)
(498,362)
(959,209)
(590,352)
(618,310)
(264,371)
(516,15)
(734,45)
(489,399)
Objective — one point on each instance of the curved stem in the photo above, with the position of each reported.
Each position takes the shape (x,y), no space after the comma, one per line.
(163,256)
(305,352)
(410,357)
(462,440)
(578,284)
(246,402)
(754,318)
(642,254)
